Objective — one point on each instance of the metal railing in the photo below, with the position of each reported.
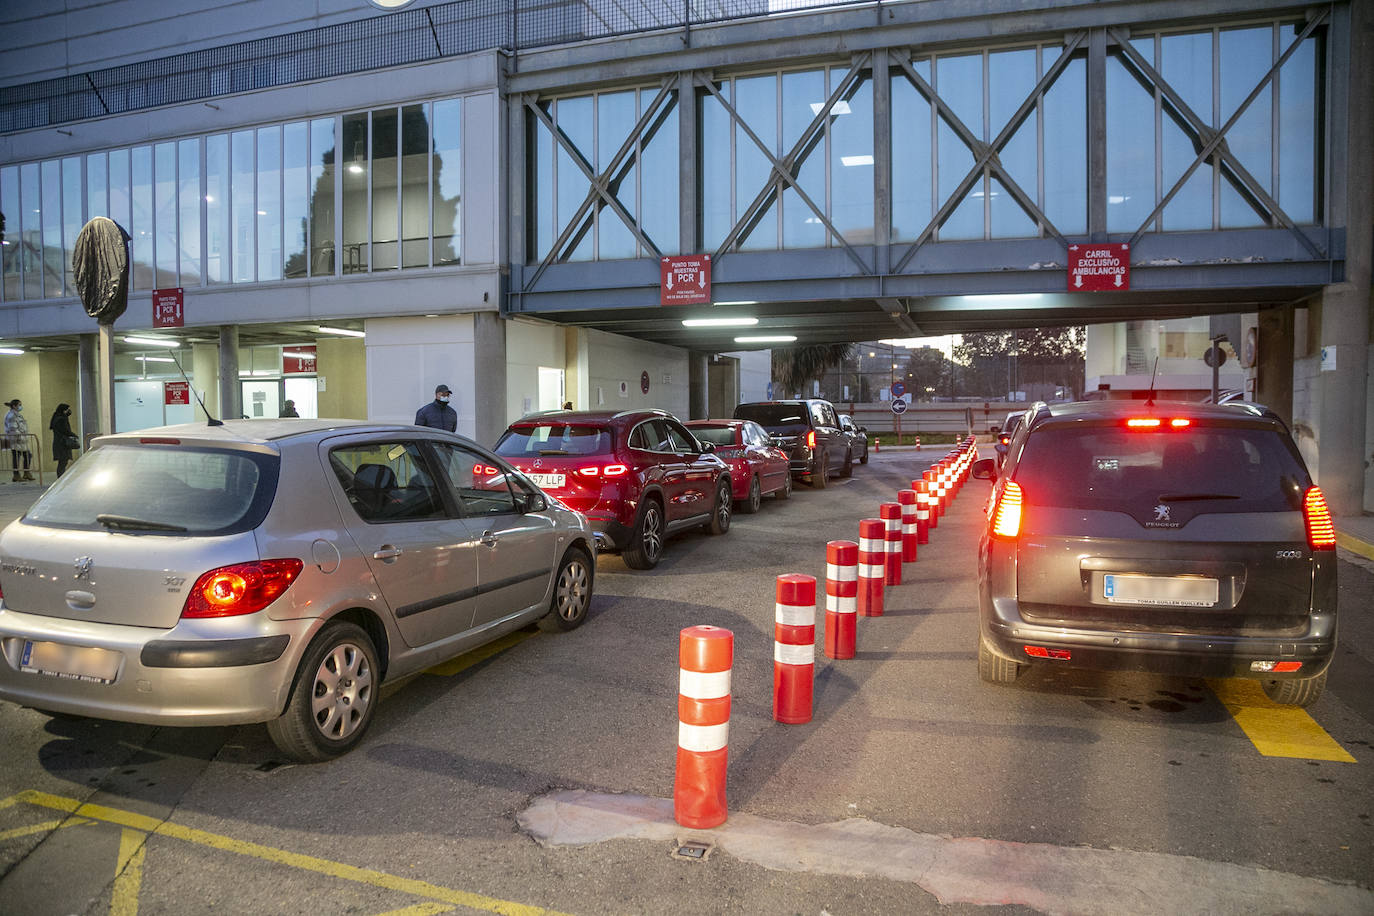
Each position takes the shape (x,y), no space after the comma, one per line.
(390,40)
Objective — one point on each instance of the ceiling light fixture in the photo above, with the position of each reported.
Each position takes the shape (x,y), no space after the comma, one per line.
(767,338)
(738,302)
(719,322)
(342,332)
(153,342)
(11,351)
(155,359)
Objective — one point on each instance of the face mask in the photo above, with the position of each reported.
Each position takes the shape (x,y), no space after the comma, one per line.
(443,399)
(18,407)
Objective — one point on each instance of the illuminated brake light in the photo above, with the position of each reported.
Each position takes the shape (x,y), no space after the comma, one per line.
(811,439)
(1143,423)
(615,470)
(1007,516)
(1042,652)
(1321,533)
(244,588)
(1180,422)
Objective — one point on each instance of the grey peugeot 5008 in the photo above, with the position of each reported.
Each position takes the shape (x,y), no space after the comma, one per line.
(1167,537)
(275,571)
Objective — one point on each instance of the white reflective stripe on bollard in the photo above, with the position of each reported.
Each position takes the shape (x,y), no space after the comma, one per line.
(842,604)
(872,545)
(703,685)
(702,738)
(841,573)
(788,654)
(873,570)
(791,615)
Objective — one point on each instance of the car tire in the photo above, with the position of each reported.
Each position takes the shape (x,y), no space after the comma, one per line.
(847,469)
(993,668)
(313,728)
(720,512)
(572,592)
(1302,691)
(820,474)
(751,504)
(786,491)
(646,540)
(863,459)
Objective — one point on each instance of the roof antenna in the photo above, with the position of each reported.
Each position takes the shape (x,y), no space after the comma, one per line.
(213,421)
(1150,395)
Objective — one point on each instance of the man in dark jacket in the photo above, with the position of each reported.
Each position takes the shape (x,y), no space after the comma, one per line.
(437,413)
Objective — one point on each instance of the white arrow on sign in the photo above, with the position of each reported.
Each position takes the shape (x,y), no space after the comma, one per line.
(701,279)
(670,279)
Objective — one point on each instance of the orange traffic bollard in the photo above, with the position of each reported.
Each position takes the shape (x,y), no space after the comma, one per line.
(841,597)
(705,656)
(794,648)
(891,514)
(872,566)
(922,488)
(907,500)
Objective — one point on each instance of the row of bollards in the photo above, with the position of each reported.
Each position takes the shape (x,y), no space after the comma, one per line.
(856,576)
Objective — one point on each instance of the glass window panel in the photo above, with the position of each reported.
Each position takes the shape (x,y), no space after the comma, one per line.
(447,199)
(354,177)
(71,216)
(576,123)
(415,195)
(851,166)
(542,192)
(269,203)
(1066,150)
(322,172)
(217,209)
(756,100)
(658,165)
(14,237)
(716,210)
(1299,169)
(188,176)
(615,119)
(1130,148)
(97,186)
(960,84)
(911,161)
(165,214)
(243,208)
(141,271)
(1186,63)
(31,230)
(52,228)
(1245,56)
(803,96)
(1009,221)
(1011,77)
(385,172)
(295,196)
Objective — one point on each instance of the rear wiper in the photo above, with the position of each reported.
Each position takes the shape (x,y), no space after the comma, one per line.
(1184,497)
(553,451)
(127,523)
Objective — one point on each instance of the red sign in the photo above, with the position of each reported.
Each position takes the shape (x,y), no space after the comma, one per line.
(684,280)
(1099,268)
(176,393)
(167,308)
(298,360)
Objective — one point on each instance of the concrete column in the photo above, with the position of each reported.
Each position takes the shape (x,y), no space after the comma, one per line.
(688,176)
(488,377)
(88,383)
(1274,362)
(698,385)
(230,392)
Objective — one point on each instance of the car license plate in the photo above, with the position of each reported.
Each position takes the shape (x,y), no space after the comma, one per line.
(549,481)
(78,663)
(1169,591)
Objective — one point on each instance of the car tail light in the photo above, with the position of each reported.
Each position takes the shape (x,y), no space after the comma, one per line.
(1276,667)
(1143,423)
(1006,518)
(811,439)
(610,470)
(244,588)
(1042,652)
(1004,439)
(1321,533)
(1180,422)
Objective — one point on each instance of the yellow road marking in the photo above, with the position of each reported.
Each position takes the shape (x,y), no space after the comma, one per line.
(271,854)
(477,656)
(128,873)
(1274,730)
(421,909)
(1355,545)
(39,828)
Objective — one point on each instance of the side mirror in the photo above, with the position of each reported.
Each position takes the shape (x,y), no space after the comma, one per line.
(531,502)
(985,469)
(707,447)
(863,429)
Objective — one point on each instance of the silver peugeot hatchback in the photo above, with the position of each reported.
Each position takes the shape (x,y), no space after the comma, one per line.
(275,571)
(1167,537)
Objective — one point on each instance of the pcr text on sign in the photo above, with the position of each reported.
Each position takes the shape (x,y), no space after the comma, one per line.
(1096,268)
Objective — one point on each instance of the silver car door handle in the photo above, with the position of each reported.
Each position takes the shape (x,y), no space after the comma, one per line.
(488,539)
(387,552)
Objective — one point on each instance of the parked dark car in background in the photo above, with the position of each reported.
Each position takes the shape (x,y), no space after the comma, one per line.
(858,438)
(637,475)
(1004,434)
(1178,538)
(758,468)
(809,431)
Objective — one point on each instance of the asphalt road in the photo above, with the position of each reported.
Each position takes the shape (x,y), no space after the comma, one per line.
(915,789)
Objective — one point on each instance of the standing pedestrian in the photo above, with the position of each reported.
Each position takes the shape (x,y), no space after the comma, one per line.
(289,409)
(17,439)
(437,414)
(64,441)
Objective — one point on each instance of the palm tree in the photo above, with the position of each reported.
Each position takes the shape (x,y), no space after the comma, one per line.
(793,367)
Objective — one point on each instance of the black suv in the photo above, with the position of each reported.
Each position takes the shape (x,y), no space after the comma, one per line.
(809,431)
(1168,537)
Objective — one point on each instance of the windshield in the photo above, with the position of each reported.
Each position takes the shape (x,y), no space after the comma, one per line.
(161,488)
(554,439)
(716,435)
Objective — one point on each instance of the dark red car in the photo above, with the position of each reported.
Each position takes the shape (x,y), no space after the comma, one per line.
(758,468)
(637,475)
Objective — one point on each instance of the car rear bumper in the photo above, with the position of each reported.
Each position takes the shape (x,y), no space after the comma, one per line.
(204,672)
(1191,654)
(609,534)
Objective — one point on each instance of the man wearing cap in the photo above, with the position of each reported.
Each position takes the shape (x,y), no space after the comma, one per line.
(437,413)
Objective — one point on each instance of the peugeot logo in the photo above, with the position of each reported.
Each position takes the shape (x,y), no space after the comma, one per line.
(81,568)
(1161,513)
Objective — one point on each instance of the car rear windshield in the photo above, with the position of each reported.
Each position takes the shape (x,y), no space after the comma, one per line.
(554,439)
(773,416)
(1229,468)
(161,489)
(716,435)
